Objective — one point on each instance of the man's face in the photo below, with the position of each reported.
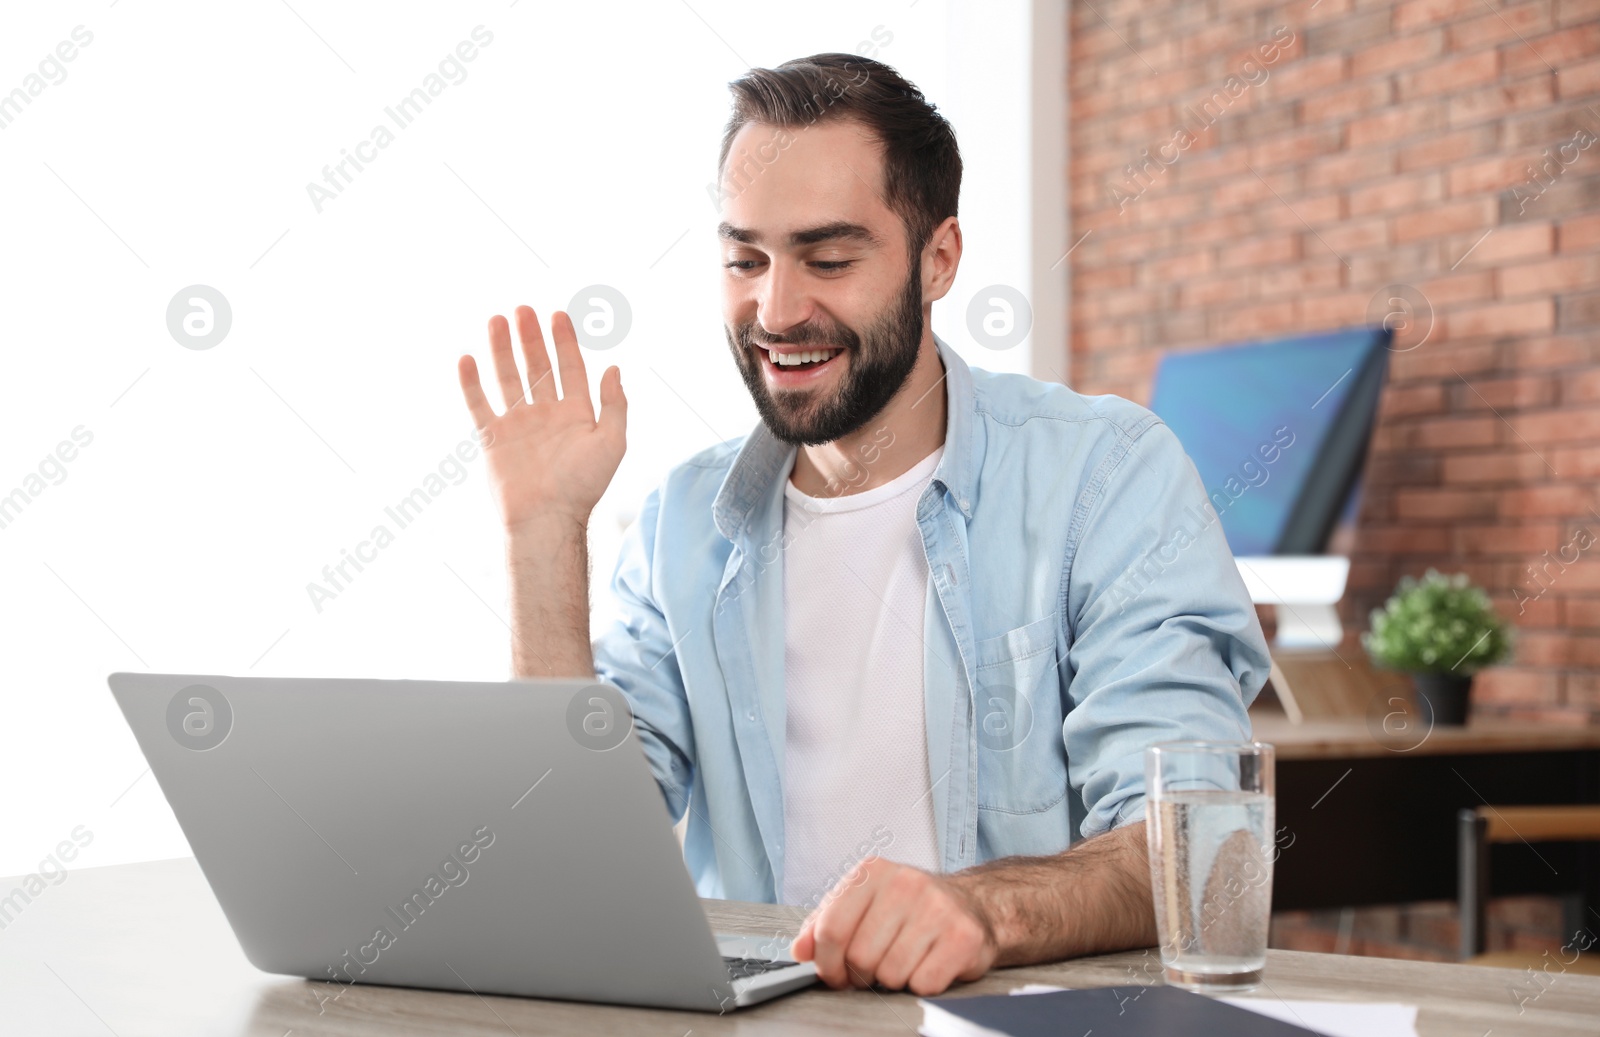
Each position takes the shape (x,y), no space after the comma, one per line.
(814,262)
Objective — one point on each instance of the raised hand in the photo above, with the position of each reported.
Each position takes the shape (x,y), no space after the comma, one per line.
(549,458)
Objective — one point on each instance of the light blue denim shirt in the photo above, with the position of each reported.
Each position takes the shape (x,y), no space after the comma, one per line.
(1080,581)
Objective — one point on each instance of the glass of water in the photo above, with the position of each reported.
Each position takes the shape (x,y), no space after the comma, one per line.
(1209,827)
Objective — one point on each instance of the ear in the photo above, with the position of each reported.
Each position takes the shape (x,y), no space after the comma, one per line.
(940,258)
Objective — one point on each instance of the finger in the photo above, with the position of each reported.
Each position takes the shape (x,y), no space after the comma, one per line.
(887,916)
(613,405)
(505,366)
(880,927)
(541,383)
(836,925)
(804,945)
(955,951)
(569,355)
(911,945)
(472,390)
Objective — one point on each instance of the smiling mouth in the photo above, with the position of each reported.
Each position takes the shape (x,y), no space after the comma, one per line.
(800,360)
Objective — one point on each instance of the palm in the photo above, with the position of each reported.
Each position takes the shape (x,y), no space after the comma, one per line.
(548,455)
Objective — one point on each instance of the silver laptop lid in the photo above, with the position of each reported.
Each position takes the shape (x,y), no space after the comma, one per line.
(498,837)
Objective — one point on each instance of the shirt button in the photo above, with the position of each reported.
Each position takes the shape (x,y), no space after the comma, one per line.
(752,714)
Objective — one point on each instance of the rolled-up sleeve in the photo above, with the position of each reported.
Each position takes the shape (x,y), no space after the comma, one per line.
(634,650)
(1164,640)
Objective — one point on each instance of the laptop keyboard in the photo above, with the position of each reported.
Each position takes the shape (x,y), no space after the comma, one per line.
(744,968)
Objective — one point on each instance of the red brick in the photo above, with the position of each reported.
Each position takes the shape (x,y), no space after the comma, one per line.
(1448,76)
(1428,362)
(1544,648)
(1544,501)
(1496,173)
(1250,321)
(1540,351)
(1408,539)
(1503,98)
(1470,214)
(1501,684)
(1500,24)
(1556,49)
(1572,12)
(1306,276)
(1392,124)
(1296,147)
(1583,613)
(1333,311)
(1306,75)
(1580,233)
(1418,13)
(1397,195)
(1502,318)
(1217,291)
(1519,241)
(1434,505)
(1576,462)
(1516,541)
(1340,104)
(1455,432)
(1530,609)
(1342,170)
(1579,81)
(1503,394)
(1281,248)
(1470,469)
(1321,210)
(1581,387)
(1352,236)
(1560,426)
(1446,148)
(1471,286)
(1409,51)
(1551,275)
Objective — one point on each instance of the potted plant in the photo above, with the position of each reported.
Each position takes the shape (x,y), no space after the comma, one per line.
(1442,629)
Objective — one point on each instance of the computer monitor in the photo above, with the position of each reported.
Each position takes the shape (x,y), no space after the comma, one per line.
(1279,432)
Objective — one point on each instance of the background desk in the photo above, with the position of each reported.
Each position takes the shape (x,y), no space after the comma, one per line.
(143,949)
(1374,821)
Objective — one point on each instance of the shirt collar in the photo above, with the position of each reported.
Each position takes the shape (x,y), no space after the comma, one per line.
(764,461)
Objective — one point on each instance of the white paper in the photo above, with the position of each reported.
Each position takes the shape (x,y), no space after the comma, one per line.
(1333,1018)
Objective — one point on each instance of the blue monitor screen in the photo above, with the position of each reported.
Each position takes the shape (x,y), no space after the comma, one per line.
(1277,431)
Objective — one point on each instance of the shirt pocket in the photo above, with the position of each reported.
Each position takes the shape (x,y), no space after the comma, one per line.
(1022,761)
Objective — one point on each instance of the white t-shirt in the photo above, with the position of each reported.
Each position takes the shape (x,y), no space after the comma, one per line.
(856,781)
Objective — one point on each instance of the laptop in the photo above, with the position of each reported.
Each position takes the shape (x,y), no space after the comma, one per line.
(496,838)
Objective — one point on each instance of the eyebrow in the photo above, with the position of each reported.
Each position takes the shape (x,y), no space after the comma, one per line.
(838,229)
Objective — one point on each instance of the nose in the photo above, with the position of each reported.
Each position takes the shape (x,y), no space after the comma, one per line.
(782,302)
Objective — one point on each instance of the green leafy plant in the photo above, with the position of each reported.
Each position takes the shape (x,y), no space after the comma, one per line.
(1437,624)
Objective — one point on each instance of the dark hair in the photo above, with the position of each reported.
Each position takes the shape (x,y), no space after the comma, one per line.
(921,162)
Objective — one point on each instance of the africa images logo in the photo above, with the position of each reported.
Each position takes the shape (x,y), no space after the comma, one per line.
(199,717)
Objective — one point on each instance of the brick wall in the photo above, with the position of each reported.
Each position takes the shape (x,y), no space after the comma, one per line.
(1242,169)
(1427,931)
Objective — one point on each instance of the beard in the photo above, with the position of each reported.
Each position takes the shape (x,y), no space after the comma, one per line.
(878,363)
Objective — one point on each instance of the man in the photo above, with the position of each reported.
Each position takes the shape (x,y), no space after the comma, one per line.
(897,652)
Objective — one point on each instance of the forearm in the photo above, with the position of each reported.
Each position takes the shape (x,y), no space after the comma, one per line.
(547,565)
(1090,899)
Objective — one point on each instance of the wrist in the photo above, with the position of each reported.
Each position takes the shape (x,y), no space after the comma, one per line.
(548,527)
(976,893)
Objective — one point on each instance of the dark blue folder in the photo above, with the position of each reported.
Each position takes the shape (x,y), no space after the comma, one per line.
(1153,1011)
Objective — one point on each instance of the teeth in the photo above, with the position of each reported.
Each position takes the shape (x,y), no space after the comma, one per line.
(793,359)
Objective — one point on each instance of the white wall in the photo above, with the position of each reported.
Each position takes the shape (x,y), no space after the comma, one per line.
(219,482)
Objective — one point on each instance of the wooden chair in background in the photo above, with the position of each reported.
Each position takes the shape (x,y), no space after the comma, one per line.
(1481,827)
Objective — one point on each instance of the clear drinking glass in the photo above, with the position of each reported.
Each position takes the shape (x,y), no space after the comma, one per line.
(1209,827)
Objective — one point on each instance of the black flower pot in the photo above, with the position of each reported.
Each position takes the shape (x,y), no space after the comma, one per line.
(1446,694)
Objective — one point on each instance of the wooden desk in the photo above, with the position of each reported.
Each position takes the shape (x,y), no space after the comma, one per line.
(143,949)
(1373,815)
